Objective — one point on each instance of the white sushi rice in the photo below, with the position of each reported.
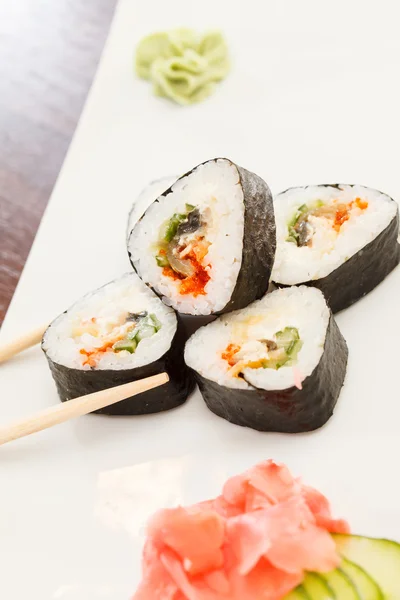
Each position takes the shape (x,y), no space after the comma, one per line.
(214,185)
(145,198)
(301,307)
(293,264)
(63,340)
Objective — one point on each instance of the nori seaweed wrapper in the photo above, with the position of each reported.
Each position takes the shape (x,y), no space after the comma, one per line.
(191,323)
(72,383)
(259,242)
(290,410)
(361,273)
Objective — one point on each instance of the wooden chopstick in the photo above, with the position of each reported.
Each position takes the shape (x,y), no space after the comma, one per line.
(77,407)
(10,349)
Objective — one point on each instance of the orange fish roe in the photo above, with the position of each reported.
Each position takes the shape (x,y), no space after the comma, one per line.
(201,249)
(194,284)
(90,360)
(363,204)
(93,355)
(341,216)
(343,212)
(229,353)
(169,272)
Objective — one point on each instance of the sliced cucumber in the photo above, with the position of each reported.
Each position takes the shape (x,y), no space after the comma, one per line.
(317,588)
(366,586)
(294,350)
(173,225)
(162,260)
(145,331)
(128,345)
(299,211)
(291,238)
(379,558)
(156,322)
(131,335)
(341,584)
(287,338)
(298,594)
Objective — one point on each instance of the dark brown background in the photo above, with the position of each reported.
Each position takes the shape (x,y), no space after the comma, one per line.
(49,50)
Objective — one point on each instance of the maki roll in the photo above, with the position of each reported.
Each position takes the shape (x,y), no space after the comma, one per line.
(119,333)
(207,244)
(342,239)
(145,198)
(277,365)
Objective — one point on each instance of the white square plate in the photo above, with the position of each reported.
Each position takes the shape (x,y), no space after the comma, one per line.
(313,97)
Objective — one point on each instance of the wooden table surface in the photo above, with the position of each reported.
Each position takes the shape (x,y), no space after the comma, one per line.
(49,50)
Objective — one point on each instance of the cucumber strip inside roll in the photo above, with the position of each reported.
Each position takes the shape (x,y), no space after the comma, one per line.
(342,239)
(208,243)
(118,333)
(277,365)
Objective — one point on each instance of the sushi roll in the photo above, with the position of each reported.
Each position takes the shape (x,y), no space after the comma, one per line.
(119,333)
(145,198)
(342,239)
(207,244)
(277,365)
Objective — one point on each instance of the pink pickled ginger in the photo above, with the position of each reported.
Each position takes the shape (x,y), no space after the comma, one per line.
(254,542)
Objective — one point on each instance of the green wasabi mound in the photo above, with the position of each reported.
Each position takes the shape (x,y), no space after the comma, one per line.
(183,65)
